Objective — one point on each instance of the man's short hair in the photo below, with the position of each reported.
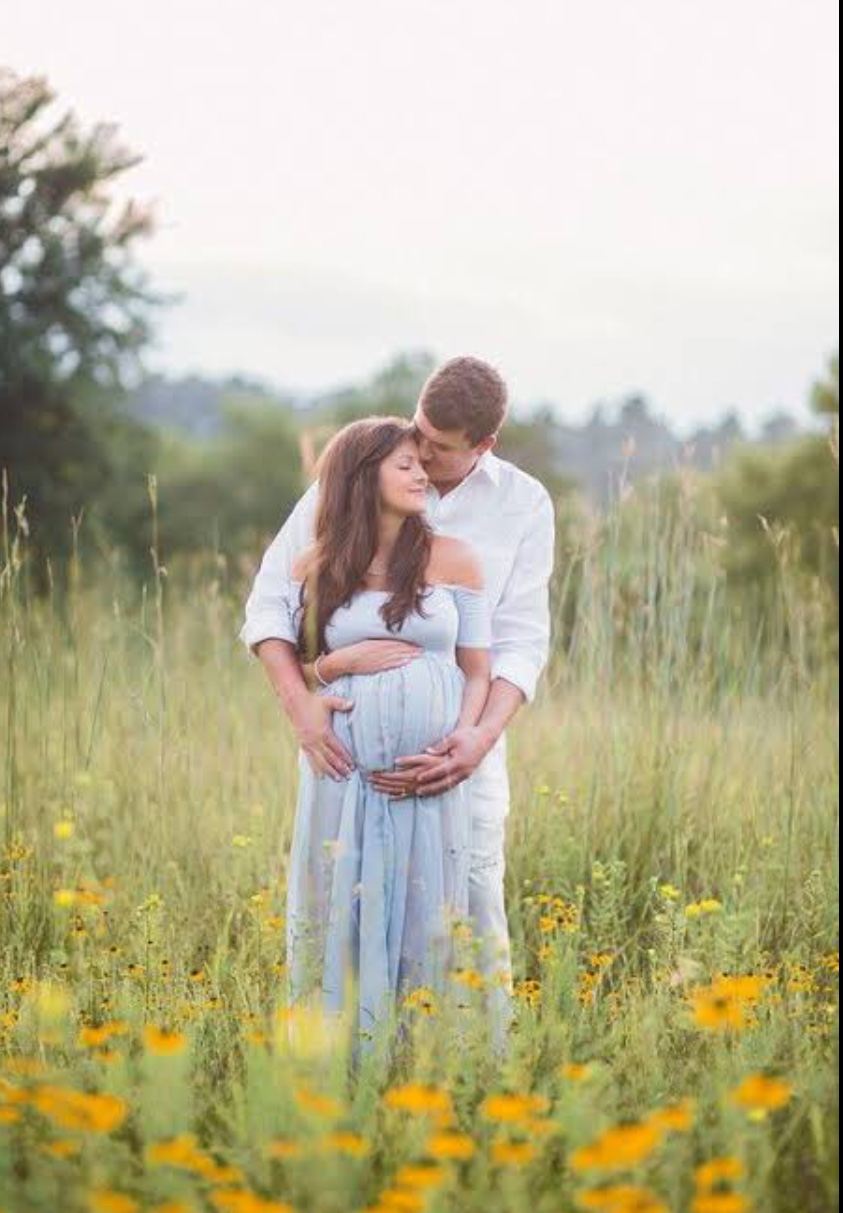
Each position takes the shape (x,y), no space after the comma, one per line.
(466,394)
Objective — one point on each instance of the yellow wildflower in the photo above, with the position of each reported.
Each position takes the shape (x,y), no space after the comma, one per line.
(106,1200)
(450,1146)
(758,1093)
(283,1147)
(510,1109)
(420,1176)
(162,1042)
(717,1011)
(92,1036)
(181,1151)
(469,978)
(529,991)
(674,1118)
(512,1153)
(720,1202)
(418,1099)
(347,1143)
(320,1105)
(401,1200)
(699,909)
(575,1071)
(621,1198)
(62,1147)
(718,1170)
(238,1200)
(421,999)
(96,1113)
(619,1147)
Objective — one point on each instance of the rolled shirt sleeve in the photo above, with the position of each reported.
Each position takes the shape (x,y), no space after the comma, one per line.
(521,620)
(268,608)
(475,623)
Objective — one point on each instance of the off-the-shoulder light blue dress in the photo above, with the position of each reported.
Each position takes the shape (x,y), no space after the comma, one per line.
(374,885)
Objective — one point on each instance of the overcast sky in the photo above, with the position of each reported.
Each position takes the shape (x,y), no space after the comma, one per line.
(599,198)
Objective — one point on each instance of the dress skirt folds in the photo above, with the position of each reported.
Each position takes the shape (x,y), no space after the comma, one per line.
(375,885)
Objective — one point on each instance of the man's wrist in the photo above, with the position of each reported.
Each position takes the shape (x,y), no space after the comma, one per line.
(294,701)
(489,735)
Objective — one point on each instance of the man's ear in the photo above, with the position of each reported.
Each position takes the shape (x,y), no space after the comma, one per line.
(488,444)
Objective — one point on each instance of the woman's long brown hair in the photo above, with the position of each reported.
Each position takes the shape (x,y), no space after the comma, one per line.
(348,528)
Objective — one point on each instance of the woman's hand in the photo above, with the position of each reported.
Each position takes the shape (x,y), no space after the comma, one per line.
(369,657)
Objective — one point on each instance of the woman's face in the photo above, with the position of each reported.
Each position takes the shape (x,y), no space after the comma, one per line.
(404,481)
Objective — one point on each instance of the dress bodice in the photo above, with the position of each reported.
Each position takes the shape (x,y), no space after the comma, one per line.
(454,617)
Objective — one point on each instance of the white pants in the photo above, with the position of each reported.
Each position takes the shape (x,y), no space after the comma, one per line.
(489,791)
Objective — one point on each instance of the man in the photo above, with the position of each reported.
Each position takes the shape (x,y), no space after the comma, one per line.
(508,518)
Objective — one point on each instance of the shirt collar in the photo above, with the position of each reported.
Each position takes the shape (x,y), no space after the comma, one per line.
(487,465)
(491,466)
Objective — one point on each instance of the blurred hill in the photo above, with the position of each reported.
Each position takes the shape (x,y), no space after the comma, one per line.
(591,456)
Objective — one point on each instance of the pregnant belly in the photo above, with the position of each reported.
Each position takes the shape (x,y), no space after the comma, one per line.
(399,712)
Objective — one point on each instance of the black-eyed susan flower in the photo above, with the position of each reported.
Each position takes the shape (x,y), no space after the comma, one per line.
(513,1153)
(108,1200)
(716,1010)
(240,1200)
(618,1148)
(621,1198)
(163,1042)
(762,1094)
(80,1110)
(421,1176)
(674,1118)
(455,1147)
(419,1100)
(529,991)
(322,1106)
(423,1000)
(283,1148)
(401,1200)
(346,1142)
(726,1169)
(575,1071)
(62,1147)
(720,1202)
(513,1109)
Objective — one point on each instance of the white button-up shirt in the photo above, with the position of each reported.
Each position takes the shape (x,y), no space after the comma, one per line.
(507,517)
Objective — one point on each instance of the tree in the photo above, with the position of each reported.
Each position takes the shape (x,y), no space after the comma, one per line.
(73,310)
(795,486)
(825,396)
(231,493)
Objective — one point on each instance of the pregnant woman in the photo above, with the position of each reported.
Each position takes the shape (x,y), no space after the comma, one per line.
(375,883)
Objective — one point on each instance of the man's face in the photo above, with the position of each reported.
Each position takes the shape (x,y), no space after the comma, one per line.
(447,455)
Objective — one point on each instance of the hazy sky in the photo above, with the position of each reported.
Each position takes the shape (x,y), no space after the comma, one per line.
(599,198)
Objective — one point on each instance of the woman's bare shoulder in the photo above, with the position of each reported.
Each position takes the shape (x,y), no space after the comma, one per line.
(455,562)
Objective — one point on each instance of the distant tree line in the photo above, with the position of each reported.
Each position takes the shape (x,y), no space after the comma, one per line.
(81,428)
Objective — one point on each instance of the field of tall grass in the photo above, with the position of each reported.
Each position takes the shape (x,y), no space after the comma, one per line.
(672,892)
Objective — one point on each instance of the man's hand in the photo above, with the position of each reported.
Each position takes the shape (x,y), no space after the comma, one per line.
(312,721)
(441,767)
